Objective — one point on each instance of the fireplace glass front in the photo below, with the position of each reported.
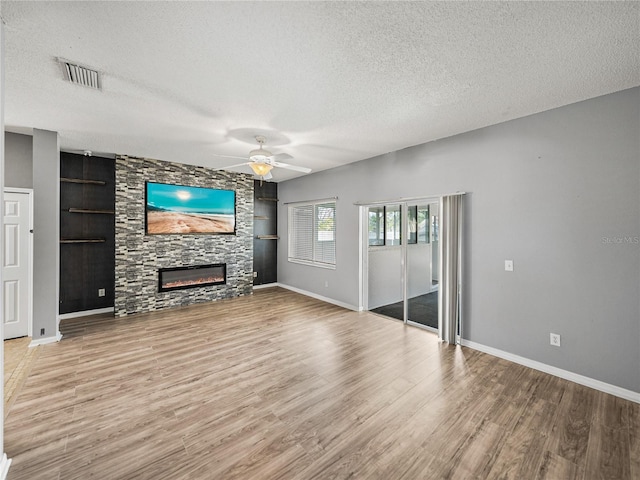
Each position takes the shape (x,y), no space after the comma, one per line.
(189,277)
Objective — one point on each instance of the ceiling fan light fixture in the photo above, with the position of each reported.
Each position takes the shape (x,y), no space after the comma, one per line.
(261,169)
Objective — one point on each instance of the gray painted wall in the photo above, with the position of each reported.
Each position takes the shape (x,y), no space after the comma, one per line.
(18,165)
(557,192)
(2,168)
(46,232)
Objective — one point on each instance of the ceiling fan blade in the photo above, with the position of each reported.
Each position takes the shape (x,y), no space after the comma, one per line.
(229,156)
(280,156)
(232,166)
(291,167)
(87,153)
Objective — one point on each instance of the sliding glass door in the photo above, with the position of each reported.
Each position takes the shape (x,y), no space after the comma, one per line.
(422,297)
(400,262)
(385,260)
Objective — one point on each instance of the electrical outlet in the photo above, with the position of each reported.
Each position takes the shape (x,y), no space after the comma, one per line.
(555,339)
(42,331)
(508,265)
(255,274)
(326,284)
(101,292)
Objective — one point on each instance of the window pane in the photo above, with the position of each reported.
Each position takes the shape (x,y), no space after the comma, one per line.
(434,228)
(423,223)
(412,212)
(376,225)
(393,226)
(312,234)
(325,237)
(301,246)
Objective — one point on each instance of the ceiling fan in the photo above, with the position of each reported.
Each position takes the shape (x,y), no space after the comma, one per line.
(262,161)
(86,153)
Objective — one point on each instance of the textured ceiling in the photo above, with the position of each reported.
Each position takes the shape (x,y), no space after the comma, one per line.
(327,82)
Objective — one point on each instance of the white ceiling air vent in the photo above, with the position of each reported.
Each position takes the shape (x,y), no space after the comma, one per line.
(80,75)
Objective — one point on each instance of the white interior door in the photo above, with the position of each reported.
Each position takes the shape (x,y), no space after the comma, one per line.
(16,264)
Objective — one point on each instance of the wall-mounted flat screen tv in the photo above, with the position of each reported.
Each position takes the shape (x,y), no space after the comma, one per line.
(179,209)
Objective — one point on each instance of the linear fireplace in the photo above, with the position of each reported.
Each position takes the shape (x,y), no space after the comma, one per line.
(189,277)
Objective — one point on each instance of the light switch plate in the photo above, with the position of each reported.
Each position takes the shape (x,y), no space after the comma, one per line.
(508,265)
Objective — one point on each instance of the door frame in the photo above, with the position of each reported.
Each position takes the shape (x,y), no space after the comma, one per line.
(363,297)
(29,192)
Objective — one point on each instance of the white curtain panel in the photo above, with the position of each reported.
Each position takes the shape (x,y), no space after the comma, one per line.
(450,239)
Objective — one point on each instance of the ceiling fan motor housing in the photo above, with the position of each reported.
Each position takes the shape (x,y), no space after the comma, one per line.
(260,154)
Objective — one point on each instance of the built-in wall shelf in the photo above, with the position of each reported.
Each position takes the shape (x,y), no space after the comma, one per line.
(82,240)
(82,180)
(84,210)
(87,232)
(265,228)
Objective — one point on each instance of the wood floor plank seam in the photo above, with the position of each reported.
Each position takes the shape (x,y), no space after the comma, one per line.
(277,385)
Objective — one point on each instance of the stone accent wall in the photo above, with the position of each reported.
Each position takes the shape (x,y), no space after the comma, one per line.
(139,256)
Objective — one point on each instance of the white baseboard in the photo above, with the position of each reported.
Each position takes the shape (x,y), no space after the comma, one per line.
(266,285)
(46,340)
(86,313)
(558,372)
(4,466)
(317,297)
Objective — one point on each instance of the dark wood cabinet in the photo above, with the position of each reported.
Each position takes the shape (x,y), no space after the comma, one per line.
(87,232)
(265,227)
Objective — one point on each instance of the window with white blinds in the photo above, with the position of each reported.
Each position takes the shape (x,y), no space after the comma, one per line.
(312,233)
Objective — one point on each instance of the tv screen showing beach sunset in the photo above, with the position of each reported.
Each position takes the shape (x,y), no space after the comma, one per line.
(181,209)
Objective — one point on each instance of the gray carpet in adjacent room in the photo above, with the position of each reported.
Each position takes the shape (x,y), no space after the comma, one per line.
(422,309)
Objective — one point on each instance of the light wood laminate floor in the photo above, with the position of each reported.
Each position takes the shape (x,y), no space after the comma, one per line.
(18,359)
(282,386)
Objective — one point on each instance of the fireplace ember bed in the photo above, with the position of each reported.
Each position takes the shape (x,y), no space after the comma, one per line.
(178,278)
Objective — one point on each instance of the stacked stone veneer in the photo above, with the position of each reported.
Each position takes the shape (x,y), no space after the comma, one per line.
(139,256)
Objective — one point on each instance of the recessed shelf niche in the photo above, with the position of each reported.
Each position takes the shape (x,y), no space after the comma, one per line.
(87,232)
(265,229)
